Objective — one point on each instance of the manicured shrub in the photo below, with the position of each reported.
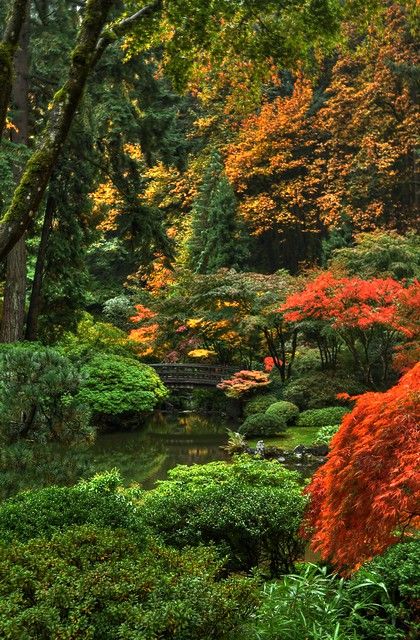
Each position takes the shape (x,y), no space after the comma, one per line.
(318,390)
(42,513)
(326,434)
(321,417)
(261,424)
(115,385)
(259,404)
(287,411)
(394,580)
(251,508)
(99,583)
(39,397)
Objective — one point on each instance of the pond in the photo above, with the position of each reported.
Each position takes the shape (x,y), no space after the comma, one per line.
(168,439)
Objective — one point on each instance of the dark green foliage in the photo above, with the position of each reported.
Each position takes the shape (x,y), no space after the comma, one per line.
(262,424)
(259,404)
(321,417)
(209,401)
(381,255)
(251,508)
(100,584)
(395,586)
(116,385)
(39,397)
(40,514)
(217,238)
(287,411)
(317,390)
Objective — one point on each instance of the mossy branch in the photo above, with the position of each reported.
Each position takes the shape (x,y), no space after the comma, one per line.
(8,46)
(34,181)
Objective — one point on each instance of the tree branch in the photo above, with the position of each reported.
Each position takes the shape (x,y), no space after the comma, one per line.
(30,191)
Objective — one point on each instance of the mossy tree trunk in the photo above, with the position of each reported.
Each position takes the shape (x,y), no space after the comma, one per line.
(13,317)
(8,46)
(90,45)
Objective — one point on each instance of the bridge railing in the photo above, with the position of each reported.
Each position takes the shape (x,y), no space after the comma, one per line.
(193,374)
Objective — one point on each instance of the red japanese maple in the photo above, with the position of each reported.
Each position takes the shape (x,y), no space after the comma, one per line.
(366,496)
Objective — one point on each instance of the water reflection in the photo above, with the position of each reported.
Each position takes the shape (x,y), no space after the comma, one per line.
(166,440)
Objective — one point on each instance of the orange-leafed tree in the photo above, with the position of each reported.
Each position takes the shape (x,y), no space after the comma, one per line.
(269,165)
(366,496)
(366,161)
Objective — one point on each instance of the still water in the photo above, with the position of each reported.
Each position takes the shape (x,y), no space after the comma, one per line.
(146,455)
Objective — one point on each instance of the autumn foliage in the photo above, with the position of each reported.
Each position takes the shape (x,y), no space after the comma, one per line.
(365,497)
(243,382)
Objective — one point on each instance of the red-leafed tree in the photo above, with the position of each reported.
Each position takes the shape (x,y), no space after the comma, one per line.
(365,497)
(364,314)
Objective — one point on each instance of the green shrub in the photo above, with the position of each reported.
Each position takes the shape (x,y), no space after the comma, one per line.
(41,513)
(93,337)
(394,583)
(96,583)
(115,385)
(318,390)
(39,397)
(326,434)
(251,508)
(259,404)
(321,417)
(261,424)
(287,411)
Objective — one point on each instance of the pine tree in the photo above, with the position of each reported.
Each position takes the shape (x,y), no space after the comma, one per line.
(217,237)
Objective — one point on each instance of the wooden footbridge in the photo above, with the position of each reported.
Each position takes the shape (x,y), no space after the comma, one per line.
(189,376)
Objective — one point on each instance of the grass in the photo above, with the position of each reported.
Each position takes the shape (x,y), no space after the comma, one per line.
(290,439)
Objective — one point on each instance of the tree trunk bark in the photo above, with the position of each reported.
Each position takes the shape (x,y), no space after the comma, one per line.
(13,317)
(8,46)
(14,294)
(35,302)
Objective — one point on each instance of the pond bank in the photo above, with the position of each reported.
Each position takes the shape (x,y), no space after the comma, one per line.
(168,439)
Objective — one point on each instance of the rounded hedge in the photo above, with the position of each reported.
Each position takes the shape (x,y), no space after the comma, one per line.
(287,411)
(261,424)
(250,508)
(259,404)
(114,385)
(321,417)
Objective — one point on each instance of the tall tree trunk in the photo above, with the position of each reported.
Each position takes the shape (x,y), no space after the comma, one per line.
(13,317)
(35,302)
(8,46)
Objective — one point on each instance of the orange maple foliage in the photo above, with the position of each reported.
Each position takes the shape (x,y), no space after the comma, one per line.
(366,496)
(145,335)
(348,302)
(271,152)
